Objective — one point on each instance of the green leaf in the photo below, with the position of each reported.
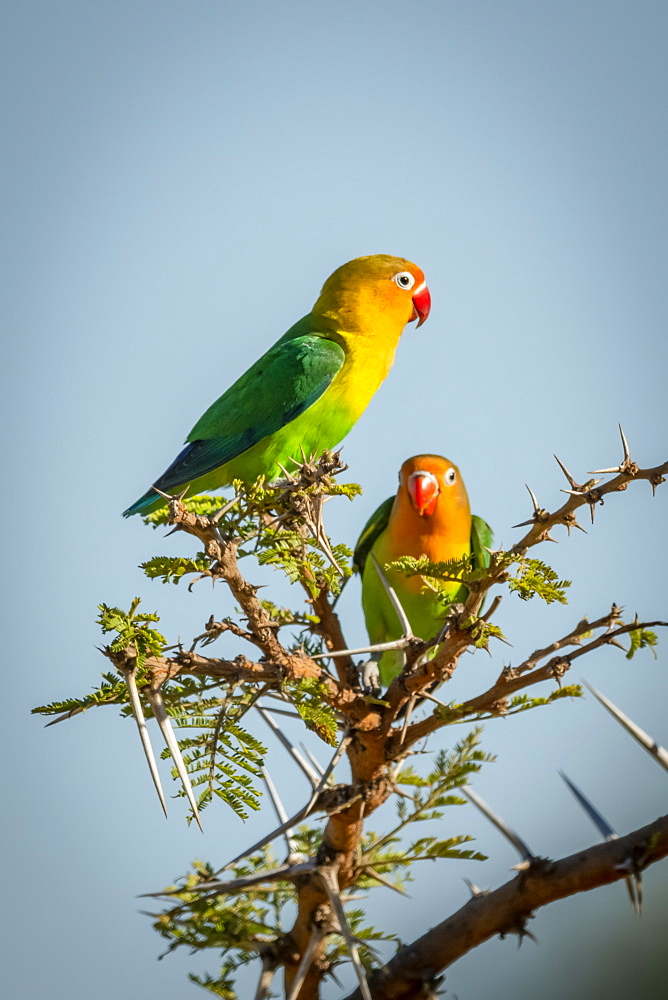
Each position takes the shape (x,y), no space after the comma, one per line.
(537,578)
(642,638)
(172,569)
(308,697)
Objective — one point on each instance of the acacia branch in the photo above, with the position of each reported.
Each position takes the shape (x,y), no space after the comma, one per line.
(542,520)
(374,744)
(513,679)
(506,909)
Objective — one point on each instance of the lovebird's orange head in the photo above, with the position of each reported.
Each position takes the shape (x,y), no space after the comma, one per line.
(376,289)
(432,491)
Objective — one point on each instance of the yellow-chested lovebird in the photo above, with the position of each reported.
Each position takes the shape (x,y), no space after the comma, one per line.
(306,392)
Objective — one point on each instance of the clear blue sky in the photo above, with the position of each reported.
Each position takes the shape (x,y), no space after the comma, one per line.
(179,179)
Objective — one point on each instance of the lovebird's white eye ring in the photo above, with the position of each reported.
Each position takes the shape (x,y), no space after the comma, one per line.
(404,280)
(450,477)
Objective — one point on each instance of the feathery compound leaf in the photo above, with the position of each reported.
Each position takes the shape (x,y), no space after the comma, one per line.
(239,921)
(642,638)
(536,577)
(222,758)
(482,631)
(451,770)
(112,691)
(308,698)
(171,569)
(205,505)
(522,702)
(223,986)
(452,571)
(338,952)
(132,630)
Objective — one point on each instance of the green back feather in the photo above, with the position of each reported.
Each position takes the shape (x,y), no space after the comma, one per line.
(280,386)
(374,527)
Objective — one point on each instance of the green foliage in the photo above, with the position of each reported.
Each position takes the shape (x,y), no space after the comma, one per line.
(522,702)
(221,756)
(364,935)
(223,986)
(205,505)
(172,569)
(432,795)
(452,571)
(234,921)
(536,577)
(642,638)
(111,691)
(132,630)
(308,698)
(285,616)
(481,631)
(297,555)
(243,920)
(280,525)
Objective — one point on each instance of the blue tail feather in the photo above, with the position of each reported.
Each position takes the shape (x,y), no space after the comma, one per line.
(144,505)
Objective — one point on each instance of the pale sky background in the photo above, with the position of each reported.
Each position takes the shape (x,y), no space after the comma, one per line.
(179,180)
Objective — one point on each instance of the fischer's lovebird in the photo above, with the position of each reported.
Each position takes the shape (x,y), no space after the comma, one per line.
(429,516)
(304,395)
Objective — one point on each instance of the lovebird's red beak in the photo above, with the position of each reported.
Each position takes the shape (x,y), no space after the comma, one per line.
(424,491)
(421,304)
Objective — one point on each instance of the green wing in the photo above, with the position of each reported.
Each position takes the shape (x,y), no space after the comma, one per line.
(376,524)
(280,386)
(481,540)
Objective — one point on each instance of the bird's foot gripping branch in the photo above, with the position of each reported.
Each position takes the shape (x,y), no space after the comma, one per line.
(294,669)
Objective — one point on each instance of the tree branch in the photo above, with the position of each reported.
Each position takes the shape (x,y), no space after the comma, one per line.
(513,679)
(507,908)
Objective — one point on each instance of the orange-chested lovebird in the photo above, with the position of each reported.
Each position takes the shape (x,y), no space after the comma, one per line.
(304,395)
(429,516)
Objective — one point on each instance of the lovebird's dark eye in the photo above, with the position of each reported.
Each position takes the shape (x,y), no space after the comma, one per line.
(450,477)
(404,279)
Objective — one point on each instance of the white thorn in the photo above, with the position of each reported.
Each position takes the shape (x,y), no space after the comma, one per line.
(503,827)
(599,821)
(312,775)
(372,873)
(298,816)
(304,964)
(653,748)
(140,720)
(279,809)
(165,723)
(331,884)
(396,603)
(536,506)
(378,648)
(279,874)
(316,763)
(263,991)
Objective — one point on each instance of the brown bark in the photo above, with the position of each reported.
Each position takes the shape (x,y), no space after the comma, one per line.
(506,909)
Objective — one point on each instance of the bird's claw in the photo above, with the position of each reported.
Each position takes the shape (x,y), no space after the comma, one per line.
(370,677)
